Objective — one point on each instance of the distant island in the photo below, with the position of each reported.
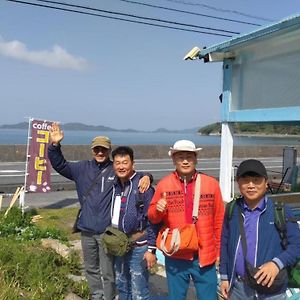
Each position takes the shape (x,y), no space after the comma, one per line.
(80,126)
(253,129)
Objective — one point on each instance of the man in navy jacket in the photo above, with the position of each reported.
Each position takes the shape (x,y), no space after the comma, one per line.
(94,182)
(129,214)
(264,248)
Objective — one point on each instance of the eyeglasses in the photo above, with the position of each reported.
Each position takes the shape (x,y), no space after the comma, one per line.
(98,149)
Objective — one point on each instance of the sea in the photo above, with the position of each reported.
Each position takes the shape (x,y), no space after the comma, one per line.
(20,136)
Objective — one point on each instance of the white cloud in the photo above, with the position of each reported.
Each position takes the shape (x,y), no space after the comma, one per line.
(57,57)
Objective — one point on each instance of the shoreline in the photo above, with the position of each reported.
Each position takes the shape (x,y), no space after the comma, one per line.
(17,153)
(264,135)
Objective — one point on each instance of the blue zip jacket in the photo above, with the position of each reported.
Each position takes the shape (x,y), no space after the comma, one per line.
(95,209)
(268,241)
(133,217)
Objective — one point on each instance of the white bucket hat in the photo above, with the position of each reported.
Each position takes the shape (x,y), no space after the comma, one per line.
(183,145)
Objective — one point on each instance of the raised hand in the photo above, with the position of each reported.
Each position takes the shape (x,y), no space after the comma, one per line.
(161,204)
(144,184)
(56,134)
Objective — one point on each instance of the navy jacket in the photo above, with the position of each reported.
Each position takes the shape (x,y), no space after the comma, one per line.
(134,217)
(95,214)
(269,243)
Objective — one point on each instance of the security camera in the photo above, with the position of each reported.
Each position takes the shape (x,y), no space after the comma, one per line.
(192,54)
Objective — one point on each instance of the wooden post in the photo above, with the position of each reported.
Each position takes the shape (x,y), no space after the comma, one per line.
(14,199)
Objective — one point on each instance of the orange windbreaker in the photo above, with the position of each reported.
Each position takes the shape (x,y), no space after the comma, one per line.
(210,217)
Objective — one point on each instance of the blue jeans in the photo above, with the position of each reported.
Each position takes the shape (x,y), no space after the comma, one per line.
(99,270)
(132,275)
(180,272)
(240,291)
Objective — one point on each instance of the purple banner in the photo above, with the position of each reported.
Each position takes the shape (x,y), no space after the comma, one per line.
(39,167)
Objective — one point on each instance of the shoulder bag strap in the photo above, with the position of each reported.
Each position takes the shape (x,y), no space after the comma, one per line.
(196,198)
(280,222)
(87,192)
(174,243)
(140,207)
(242,232)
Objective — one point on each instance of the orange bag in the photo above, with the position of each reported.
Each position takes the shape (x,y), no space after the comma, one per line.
(178,240)
(184,239)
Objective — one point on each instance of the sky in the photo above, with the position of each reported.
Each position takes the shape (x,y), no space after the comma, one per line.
(70,67)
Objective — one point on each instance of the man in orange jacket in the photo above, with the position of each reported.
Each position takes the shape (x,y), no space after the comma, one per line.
(172,205)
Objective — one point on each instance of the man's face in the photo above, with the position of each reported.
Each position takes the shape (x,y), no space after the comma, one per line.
(185,162)
(123,167)
(253,187)
(100,154)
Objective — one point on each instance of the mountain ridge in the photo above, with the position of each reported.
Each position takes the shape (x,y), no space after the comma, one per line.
(81,126)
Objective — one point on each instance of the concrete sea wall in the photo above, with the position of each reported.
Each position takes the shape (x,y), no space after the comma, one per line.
(12,153)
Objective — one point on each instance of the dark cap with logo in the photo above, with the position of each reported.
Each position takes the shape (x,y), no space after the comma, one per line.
(251,167)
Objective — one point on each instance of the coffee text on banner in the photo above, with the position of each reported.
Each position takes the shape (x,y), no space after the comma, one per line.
(39,167)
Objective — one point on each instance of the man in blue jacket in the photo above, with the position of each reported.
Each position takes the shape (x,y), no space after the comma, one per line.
(264,248)
(129,214)
(94,182)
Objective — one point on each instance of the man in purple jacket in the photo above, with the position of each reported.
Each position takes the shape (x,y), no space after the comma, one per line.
(263,242)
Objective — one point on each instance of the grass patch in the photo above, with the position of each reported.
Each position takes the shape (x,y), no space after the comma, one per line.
(20,227)
(62,219)
(27,270)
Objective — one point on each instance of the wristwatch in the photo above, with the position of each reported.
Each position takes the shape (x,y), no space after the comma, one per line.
(153,251)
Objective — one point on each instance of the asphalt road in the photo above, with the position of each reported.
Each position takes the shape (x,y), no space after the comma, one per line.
(12,174)
(63,193)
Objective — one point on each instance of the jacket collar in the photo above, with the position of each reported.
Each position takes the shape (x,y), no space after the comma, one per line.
(181,178)
(117,181)
(261,205)
(102,165)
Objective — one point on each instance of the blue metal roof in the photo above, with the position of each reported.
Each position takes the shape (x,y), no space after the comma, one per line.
(288,24)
